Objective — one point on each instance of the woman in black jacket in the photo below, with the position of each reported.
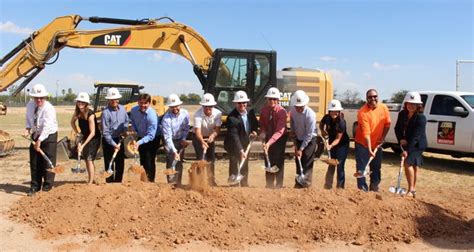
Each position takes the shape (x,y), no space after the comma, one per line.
(411,134)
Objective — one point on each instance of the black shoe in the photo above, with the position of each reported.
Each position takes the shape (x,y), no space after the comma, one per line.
(374,188)
(31,192)
(46,188)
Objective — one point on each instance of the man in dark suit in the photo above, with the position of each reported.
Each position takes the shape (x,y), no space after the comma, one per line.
(241,126)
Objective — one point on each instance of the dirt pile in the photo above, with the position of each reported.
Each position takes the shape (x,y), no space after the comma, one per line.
(230,218)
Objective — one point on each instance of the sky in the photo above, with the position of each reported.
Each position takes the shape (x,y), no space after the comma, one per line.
(387,45)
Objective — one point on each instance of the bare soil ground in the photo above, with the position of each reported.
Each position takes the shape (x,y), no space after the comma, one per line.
(150,216)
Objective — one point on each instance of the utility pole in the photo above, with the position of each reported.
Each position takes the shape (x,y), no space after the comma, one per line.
(57,87)
(458,62)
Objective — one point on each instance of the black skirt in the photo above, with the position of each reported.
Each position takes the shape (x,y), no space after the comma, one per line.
(90,150)
(415,158)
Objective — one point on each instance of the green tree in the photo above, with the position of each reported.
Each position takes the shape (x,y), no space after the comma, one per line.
(398,97)
(194,98)
(183,98)
(69,97)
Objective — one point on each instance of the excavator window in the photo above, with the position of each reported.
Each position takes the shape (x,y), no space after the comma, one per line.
(232,72)
(231,77)
(262,72)
(129,94)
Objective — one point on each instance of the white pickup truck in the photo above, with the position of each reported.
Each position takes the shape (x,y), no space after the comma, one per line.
(450,122)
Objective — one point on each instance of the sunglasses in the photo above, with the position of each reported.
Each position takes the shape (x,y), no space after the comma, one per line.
(40,98)
(273,99)
(372,97)
(208,106)
(241,103)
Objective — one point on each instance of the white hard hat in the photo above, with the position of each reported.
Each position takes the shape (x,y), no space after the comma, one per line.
(241,96)
(335,105)
(299,98)
(413,97)
(173,100)
(208,100)
(113,94)
(83,97)
(38,90)
(273,92)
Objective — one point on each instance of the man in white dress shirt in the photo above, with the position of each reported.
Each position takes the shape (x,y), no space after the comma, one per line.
(42,125)
(207,125)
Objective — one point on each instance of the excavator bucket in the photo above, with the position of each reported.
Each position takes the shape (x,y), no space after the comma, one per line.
(7,144)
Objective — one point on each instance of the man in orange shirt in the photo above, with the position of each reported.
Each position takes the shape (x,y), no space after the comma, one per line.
(374,122)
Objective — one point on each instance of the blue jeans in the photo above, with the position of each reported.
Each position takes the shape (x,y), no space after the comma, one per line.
(339,153)
(362,157)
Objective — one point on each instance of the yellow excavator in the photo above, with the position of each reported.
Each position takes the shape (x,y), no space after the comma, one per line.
(221,72)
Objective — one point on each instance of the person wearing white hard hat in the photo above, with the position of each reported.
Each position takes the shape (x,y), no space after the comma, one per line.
(303,127)
(373,124)
(175,126)
(207,125)
(42,125)
(410,130)
(145,123)
(333,127)
(273,135)
(114,126)
(242,125)
(88,134)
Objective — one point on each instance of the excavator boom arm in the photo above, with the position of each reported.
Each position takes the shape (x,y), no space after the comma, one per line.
(31,56)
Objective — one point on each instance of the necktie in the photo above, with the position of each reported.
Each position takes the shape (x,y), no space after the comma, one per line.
(35,122)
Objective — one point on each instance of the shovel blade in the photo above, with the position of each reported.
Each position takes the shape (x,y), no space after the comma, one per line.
(56,169)
(170,172)
(301,180)
(106,174)
(234,180)
(273,169)
(392,189)
(397,190)
(360,174)
(333,162)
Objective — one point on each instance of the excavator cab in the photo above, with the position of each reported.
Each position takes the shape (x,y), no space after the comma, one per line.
(231,70)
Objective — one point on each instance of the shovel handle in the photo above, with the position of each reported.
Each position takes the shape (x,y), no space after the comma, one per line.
(371,158)
(247,150)
(173,164)
(326,145)
(204,151)
(300,165)
(114,155)
(41,152)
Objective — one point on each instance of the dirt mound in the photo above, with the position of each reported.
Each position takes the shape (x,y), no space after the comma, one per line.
(231,218)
